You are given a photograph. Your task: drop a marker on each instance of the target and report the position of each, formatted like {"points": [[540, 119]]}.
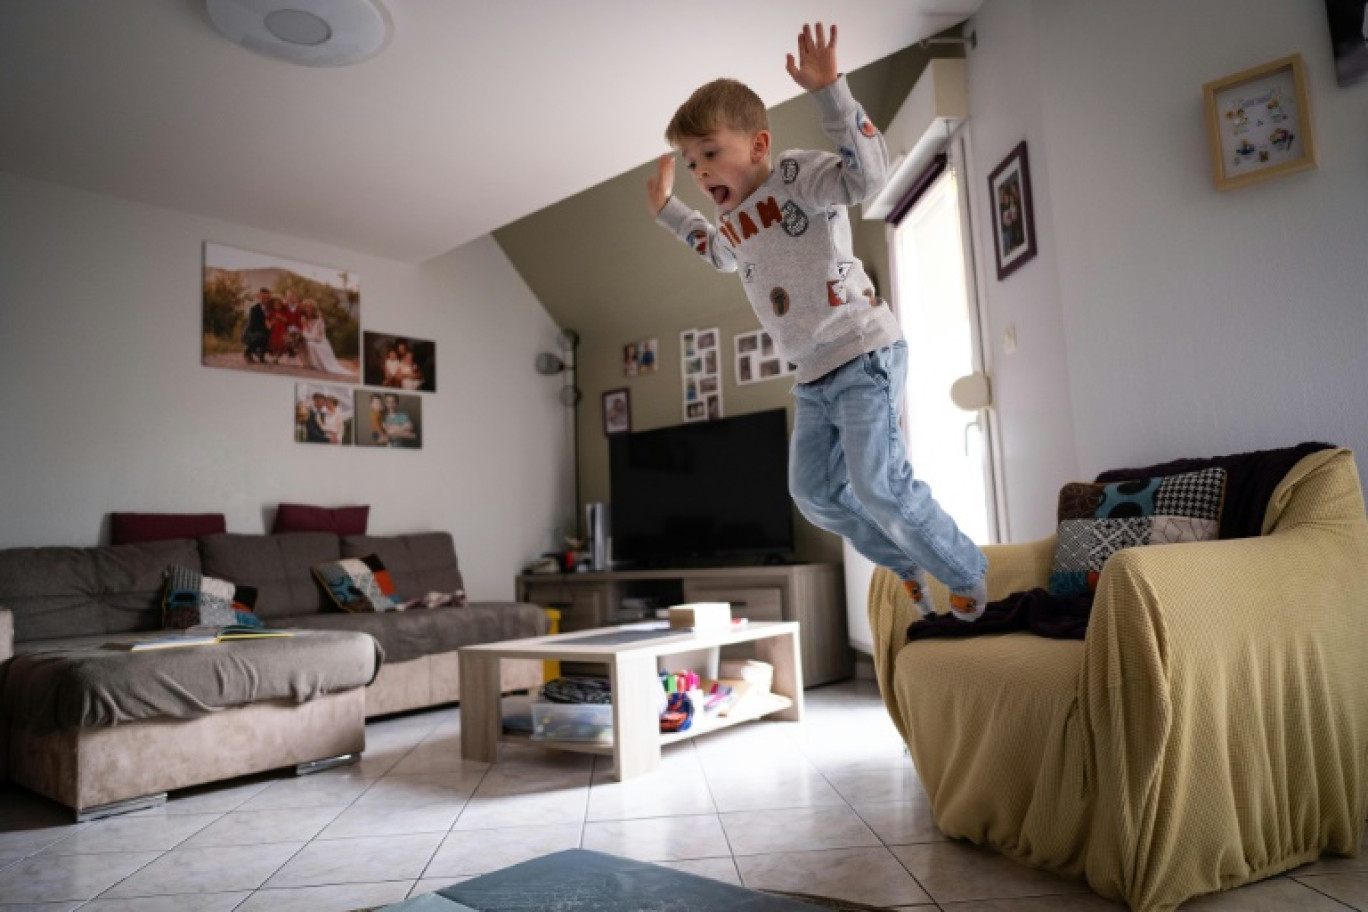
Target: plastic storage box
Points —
{"points": [[585, 722]]}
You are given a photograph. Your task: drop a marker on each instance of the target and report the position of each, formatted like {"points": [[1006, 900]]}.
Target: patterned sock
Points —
{"points": [[967, 603], [920, 593]]}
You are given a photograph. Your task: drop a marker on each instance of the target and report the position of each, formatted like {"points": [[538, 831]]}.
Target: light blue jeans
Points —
{"points": [[849, 473]]}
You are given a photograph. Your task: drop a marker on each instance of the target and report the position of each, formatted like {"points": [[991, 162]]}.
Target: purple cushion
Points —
{"points": [[304, 518], [127, 528]]}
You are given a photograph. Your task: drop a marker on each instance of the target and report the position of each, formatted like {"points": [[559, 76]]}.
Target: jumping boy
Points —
{"points": [[787, 233]]}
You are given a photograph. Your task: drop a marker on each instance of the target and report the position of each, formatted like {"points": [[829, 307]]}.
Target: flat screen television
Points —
{"points": [[700, 492]]}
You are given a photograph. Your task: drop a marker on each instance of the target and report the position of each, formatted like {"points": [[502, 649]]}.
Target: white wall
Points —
{"points": [[106, 407], [1190, 322], [1033, 405], [1201, 322]]}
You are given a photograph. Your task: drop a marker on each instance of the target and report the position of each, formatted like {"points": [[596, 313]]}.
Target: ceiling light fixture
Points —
{"points": [[321, 33]]}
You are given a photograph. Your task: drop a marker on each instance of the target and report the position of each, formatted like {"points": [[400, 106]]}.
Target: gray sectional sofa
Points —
{"points": [[103, 730]]}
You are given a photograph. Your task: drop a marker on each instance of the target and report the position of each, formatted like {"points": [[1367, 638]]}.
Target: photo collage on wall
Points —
{"points": [[700, 365], [758, 360], [268, 314]]}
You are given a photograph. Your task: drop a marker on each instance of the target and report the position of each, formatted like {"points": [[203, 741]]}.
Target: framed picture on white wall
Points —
{"points": [[1259, 123], [323, 414], [1013, 208], [268, 314], [388, 419]]}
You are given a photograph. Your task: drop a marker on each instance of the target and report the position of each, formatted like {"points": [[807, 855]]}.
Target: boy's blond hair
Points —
{"points": [[720, 103]]}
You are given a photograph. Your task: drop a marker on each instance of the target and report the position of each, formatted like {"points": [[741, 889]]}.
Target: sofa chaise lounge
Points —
{"points": [[103, 731]]}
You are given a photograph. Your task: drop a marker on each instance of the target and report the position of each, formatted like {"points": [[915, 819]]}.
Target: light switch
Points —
{"points": [[1009, 342]]}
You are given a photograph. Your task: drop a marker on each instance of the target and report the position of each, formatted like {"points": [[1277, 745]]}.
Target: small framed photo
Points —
{"points": [[323, 414], [1259, 123], [400, 362], [617, 412], [1009, 192], [389, 419]]}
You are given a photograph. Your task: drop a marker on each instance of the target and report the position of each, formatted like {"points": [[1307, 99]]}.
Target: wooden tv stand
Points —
{"points": [[811, 594]]}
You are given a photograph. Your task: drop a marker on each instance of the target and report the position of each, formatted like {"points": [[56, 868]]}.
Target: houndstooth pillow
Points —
{"points": [[1097, 520]]}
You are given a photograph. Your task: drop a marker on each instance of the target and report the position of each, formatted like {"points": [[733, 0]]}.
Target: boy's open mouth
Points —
{"points": [[720, 194]]}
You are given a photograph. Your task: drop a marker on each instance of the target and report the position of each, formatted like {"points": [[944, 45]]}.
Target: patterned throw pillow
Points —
{"points": [[1097, 520], [358, 584], [193, 600]]}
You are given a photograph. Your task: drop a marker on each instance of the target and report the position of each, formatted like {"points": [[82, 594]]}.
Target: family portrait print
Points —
{"points": [[617, 412], [1009, 193], [640, 357], [400, 362], [389, 419], [267, 314], [323, 414]]}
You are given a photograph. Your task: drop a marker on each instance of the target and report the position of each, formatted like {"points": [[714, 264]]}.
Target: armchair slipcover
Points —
{"points": [[1210, 730]]}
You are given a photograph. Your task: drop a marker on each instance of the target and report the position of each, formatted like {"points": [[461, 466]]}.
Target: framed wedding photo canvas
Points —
{"points": [[268, 314], [1009, 193], [323, 414], [1259, 123]]}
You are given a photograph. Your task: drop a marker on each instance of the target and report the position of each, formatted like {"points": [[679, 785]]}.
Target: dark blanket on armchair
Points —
{"points": [[1251, 479]]}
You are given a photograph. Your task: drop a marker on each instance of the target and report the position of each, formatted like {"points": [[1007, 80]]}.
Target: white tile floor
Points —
{"points": [[829, 806]]}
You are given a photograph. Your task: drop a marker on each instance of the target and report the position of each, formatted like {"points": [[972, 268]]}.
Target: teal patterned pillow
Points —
{"points": [[191, 599], [1097, 520], [358, 584]]}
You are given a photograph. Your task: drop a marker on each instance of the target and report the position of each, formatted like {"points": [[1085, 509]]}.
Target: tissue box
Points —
{"points": [[701, 615], [759, 675]]}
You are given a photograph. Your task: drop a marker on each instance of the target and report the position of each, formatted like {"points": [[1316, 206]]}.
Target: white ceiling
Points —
{"points": [[476, 115]]}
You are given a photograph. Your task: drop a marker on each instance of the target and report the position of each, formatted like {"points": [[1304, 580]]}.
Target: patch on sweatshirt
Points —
{"points": [[779, 300], [795, 219], [836, 293], [788, 170], [849, 160], [866, 127], [748, 272], [698, 240]]}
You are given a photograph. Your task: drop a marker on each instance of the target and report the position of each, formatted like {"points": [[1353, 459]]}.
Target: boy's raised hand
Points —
{"points": [[816, 67], [659, 188]]}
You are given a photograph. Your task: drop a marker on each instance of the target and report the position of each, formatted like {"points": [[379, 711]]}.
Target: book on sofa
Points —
{"points": [[197, 636]]}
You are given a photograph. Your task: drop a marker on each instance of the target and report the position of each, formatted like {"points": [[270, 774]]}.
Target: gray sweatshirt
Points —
{"points": [[790, 242]]}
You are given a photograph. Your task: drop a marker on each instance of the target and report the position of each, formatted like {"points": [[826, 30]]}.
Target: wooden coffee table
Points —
{"points": [[637, 738]]}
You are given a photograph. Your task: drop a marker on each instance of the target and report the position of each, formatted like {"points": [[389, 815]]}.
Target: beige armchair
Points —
{"points": [[1211, 730]]}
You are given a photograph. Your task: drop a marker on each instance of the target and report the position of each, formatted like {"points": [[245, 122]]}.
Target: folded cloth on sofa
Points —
{"points": [[1059, 617], [52, 684], [1251, 479], [412, 634]]}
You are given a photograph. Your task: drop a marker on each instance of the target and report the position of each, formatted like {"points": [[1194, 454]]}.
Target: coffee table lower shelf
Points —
{"points": [[632, 663], [755, 708]]}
